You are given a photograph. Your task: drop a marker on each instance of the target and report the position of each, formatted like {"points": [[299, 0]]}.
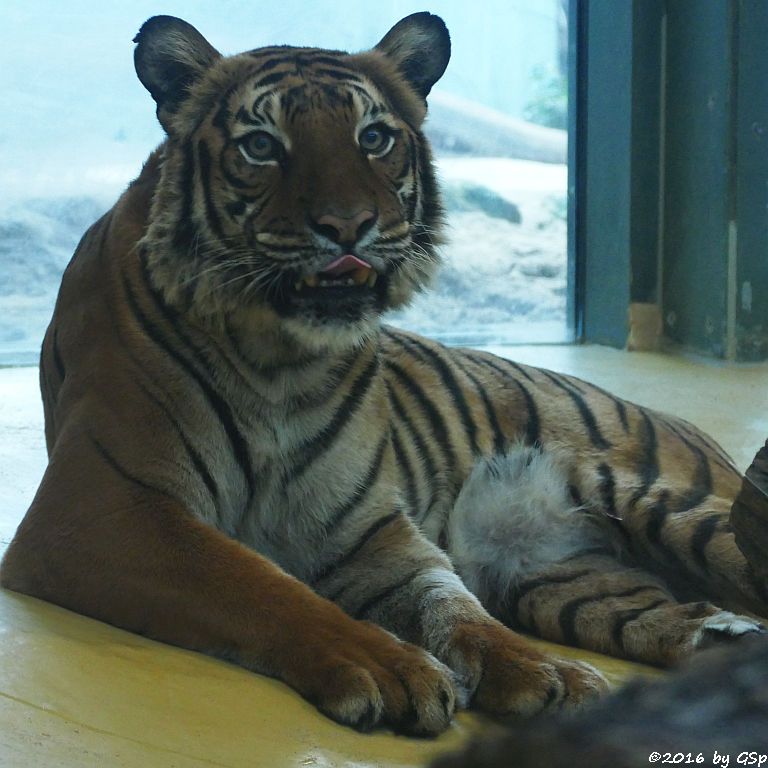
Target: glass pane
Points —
{"points": [[77, 125]]}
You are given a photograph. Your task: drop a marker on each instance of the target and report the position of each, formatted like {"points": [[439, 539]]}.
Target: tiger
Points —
{"points": [[245, 460]]}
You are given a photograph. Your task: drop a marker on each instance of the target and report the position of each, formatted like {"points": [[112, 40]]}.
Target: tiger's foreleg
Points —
{"points": [[542, 565], [418, 596], [118, 551]]}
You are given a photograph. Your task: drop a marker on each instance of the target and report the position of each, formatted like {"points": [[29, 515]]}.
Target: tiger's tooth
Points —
{"points": [[371, 281], [298, 286], [360, 275], [312, 281]]}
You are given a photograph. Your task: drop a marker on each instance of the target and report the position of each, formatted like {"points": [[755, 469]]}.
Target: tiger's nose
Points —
{"points": [[345, 230]]}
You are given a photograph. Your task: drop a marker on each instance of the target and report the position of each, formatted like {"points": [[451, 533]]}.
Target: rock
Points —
{"points": [[461, 127], [473, 197]]}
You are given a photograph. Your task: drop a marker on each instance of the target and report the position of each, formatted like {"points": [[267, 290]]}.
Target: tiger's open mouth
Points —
{"points": [[345, 272], [346, 289]]}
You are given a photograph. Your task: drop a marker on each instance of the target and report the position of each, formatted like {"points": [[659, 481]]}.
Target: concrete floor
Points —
{"points": [[75, 692]]}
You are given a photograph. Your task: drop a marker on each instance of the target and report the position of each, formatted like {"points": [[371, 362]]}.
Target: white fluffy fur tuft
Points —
{"points": [[513, 518]]}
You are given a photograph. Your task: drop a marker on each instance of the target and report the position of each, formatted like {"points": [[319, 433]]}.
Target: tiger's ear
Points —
{"points": [[169, 56], [420, 46]]}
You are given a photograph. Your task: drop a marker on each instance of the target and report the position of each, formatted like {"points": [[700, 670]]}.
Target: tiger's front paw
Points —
{"points": [[372, 678], [507, 677]]}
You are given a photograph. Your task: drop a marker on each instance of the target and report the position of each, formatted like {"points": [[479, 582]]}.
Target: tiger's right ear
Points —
{"points": [[170, 56]]}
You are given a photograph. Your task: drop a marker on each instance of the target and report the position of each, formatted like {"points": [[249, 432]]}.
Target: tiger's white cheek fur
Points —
{"points": [[512, 518]]}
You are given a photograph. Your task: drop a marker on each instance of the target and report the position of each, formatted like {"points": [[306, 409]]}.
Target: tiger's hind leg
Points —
{"points": [[541, 565], [694, 547], [593, 601]]}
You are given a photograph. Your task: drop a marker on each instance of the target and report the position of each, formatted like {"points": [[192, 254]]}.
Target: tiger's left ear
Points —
{"points": [[420, 47], [170, 56]]}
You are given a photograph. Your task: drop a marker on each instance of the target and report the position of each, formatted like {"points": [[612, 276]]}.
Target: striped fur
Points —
{"points": [[243, 461]]}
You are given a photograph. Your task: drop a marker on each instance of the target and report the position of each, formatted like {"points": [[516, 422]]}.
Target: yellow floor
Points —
{"points": [[75, 692]]}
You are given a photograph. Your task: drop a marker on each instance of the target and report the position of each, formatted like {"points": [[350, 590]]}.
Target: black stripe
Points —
{"points": [[256, 106], [431, 413], [648, 464], [499, 438], [680, 429], [510, 364], [406, 473], [364, 488], [287, 56], [331, 61], [192, 452], [311, 449], [564, 381], [657, 514], [568, 612], [679, 425], [510, 603], [595, 436], [293, 101], [266, 199], [625, 617], [372, 602], [607, 489], [117, 467], [620, 405], [244, 116], [403, 172], [533, 425], [280, 55], [703, 533], [237, 183], [353, 551], [422, 447], [337, 74], [212, 216], [223, 114], [701, 482], [573, 490], [621, 410], [448, 380], [273, 79], [219, 405]]}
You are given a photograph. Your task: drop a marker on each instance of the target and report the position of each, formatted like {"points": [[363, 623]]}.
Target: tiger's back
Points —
{"points": [[243, 461]]}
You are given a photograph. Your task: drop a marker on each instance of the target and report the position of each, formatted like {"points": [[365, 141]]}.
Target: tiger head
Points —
{"points": [[297, 193]]}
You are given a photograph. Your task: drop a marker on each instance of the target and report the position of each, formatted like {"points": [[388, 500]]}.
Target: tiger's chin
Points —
{"points": [[266, 336], [330, 337]]}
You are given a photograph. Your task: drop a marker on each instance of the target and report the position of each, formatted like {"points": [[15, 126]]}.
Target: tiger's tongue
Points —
{"points": [[343, 264]]}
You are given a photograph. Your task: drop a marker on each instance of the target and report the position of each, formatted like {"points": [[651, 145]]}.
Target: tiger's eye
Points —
{"points": [[375, 140], [260, 147]]}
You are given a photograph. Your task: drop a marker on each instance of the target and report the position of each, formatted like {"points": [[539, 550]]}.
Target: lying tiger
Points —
{"points": [[245, 462]]}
